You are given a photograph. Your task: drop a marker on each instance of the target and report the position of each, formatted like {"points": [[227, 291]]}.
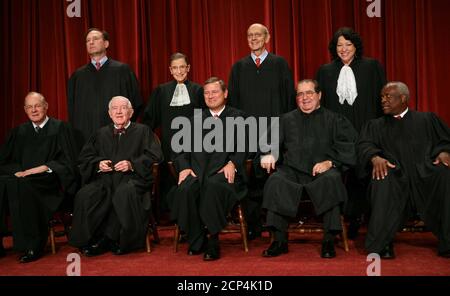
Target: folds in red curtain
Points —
{"points": [[42, 46]]}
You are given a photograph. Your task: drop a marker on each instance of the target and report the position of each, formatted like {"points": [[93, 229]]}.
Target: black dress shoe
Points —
{"points": [[353, 229], [101, 247], [253, 234], [117, 250], [212, 253], [29, 256], [276, 249], [328, 251], [388, 252]]}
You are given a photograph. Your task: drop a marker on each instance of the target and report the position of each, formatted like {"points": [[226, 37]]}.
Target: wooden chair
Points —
{"points": [[154, 196], [59, 218], [235, 225], [309, 224]]}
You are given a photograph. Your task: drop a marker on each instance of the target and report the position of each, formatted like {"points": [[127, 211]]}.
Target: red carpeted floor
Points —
{"points": [[416, 255]]}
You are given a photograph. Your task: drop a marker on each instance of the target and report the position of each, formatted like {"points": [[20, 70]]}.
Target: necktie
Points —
{"points": [[216, 116], [97, 65], [258, 62], [398, 117], [37, 129]]}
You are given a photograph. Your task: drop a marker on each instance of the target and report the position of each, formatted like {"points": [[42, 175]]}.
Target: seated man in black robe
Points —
{"points": [[210, 181], [111, 210], [37, 164], [316, 146], [407, 155]]}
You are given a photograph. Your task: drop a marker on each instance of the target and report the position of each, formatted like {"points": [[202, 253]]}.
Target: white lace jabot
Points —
{"points": [[180, 96], [346, 86]]}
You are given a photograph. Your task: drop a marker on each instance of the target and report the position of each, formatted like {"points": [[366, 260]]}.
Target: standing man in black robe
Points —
{"points": [[261, 85], [92, 86], [407, 155], [37, 164], [111, 210], [351, 86], [178, 97], [316, 146], [210, 181]]}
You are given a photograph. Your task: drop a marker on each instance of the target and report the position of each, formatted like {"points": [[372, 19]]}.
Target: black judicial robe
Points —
{"points": [[159, 113], [115, 204], [207, 199], [267, 91], [89, 92], [305, 140], [370, 79], [412, 144], [34, 199]]}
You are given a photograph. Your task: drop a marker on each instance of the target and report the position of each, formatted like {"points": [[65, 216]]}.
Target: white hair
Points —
{"points": [[120, 98]]}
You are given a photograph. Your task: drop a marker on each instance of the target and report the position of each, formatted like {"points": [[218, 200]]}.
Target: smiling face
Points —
{"points": [[120, 111], [36, 108], [215, 97], [179, 70], [257, 37], [345, 50], [96, 45], [307, 99]]}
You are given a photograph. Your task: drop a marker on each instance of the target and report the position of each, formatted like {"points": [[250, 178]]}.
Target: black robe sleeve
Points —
{"points": [[152, 114], [9, 165]]}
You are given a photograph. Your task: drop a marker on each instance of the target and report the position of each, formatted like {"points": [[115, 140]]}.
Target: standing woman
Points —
{"points": [[351, 85], [176, 98]]}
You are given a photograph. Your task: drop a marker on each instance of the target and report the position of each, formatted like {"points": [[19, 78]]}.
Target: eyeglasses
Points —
{"points": [[181, 68], [37, 106], [255, 35], [308, 93]]}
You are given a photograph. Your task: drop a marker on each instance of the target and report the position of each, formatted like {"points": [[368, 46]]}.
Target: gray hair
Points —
{"points": [[401, 87], [37, 94], [120, 98]]}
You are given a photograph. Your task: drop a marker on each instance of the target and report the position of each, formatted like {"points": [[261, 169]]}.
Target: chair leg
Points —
{"points": [[344, 234], [176, 238], [148, 243], [52, 240], [243, 225]]}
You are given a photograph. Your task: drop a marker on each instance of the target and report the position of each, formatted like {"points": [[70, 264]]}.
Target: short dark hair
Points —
{"points": [[313, 81], [177, 56], [213, 79], [104, 33], [348, 34]]}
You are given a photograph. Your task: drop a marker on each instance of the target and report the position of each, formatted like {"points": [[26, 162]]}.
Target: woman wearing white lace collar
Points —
{"points": [[351, 85]]}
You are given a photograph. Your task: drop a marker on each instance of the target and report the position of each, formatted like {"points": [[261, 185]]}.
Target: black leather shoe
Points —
{"points": [[445, 254], [2, 251], [388, 252], [101, 247], [328, 251], [276, 249], [30, 256], [353, 229], [117, 250], [211, 254], [253, 234]]}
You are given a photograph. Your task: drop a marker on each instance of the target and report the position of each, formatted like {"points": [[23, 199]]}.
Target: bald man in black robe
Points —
{"points": [[316, 146], [37, 166], [407, 154], [111, 210]]}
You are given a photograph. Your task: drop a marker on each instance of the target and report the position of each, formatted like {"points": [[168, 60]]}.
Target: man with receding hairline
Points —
{"points": [[37, 164]]}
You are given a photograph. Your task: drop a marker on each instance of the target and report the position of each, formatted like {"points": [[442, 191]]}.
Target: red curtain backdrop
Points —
{"points": [[41, 46]]}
